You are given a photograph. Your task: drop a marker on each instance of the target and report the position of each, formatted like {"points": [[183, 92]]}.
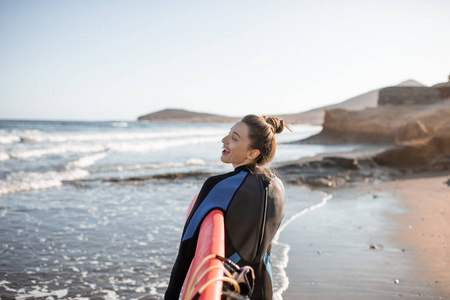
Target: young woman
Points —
{"points": [[252, 200]]}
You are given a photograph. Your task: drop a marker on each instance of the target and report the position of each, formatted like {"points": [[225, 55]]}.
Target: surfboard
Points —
{"points": [[203, 272]]}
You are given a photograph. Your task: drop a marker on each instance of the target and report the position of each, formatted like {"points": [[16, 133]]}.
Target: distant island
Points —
{"points": [[181, 115]]}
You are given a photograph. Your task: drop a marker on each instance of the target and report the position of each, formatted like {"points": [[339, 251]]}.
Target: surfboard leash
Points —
{"points": [[242, 279]]}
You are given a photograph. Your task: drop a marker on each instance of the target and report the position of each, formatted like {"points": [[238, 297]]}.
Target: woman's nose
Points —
{"points": [[224, 139]]}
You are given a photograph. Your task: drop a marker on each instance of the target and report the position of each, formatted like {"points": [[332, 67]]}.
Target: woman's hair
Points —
{"points": [[262, 132]]}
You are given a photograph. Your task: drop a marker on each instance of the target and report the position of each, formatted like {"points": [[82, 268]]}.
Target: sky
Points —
{"points": [[117, 60]]}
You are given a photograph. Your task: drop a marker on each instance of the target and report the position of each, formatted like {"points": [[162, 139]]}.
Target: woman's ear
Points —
{"points": [[253, 154]]}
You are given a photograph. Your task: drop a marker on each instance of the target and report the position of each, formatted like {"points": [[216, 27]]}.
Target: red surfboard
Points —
{"points": [[205, 273]]}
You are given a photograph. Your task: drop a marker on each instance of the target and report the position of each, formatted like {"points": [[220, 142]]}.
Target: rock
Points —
{"points": [[443, 88], [26, 139], [381, 125], [345, 126], [409, 95], [417, 152], [411, 131], [340, 162], [376, 246], [328, 172]]}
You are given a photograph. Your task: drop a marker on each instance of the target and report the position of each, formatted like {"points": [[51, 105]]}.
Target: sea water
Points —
{"points": [[79, 220]]}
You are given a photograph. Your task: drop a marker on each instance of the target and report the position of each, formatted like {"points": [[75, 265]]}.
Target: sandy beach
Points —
{"points": [[374, 241]]}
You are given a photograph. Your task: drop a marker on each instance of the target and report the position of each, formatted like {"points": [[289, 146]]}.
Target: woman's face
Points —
{"points": [[236, 147]]}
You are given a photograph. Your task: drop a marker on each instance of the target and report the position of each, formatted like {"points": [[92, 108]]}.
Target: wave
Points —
{"points": [[121, 147], [8, 139], [167, 165], [40, 136], [85, 161], [119, 124], [72, 171], [14, 136], [282, 262], [157, 145], [138, 167], [26, 182], [61, 149], [38, 292], [4, 156]]}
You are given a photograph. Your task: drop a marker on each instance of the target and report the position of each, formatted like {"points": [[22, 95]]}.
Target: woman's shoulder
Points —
{"points": [[270, 179], [221, 176], [215, 179]]}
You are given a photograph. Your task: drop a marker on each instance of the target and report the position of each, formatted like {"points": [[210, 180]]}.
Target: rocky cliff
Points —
{"points": [[422, 142], [419, 134], [371, 125], [366, 100]]}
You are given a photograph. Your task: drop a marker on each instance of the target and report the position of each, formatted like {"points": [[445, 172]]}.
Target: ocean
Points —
{"points": [[83, 217]]}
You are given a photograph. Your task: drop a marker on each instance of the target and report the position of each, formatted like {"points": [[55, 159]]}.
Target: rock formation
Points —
{"points": [[408, 95], [366, 100], [422, 142], [419, 134], [443, 88]]}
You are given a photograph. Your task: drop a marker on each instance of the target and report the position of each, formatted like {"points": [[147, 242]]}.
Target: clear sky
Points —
{"points": [[117, 60]]}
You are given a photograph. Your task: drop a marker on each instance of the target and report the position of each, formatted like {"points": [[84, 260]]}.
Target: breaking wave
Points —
{"points": [[40, 136], [26, 182], [120, 147]]}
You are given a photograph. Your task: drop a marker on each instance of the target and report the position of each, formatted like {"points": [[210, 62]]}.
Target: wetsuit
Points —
{"points": [[253, 209]]}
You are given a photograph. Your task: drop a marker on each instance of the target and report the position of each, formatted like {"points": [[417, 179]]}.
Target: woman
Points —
{"points": [[252, 200]]}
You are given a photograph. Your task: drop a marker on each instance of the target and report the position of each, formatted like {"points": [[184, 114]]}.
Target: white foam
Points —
{"points": [[41, 293], [139, 167], [119, 124], [25, 182], [110, 295], [300, 213], [196, 162], [4, 156], [120, 147], [39, 136], [85, 161], [282, 262], [9, 138], [4, 284], [157, 144], [61, 149]]}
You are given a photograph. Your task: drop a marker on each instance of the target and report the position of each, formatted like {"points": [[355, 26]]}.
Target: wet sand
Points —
{"points": [[385, 241]]}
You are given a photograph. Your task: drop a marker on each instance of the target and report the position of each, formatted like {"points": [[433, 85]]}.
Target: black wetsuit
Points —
{"points": [[253, 209]]}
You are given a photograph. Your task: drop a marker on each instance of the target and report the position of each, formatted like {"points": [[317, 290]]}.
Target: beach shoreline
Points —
{"points": [[374, 240]]}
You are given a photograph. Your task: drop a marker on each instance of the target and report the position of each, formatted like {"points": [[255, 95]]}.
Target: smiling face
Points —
{"points": [[236, 147]]}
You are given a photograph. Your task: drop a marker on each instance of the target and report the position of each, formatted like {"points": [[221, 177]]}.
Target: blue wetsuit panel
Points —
{"points": [[281, 184], [219, 197], [268, 266]]}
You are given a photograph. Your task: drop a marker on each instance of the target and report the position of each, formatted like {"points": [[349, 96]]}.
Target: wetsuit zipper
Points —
{"points": [[263, 221]]}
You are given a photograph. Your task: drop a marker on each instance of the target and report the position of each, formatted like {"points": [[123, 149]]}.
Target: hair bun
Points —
{"points": [[277, 124]]}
